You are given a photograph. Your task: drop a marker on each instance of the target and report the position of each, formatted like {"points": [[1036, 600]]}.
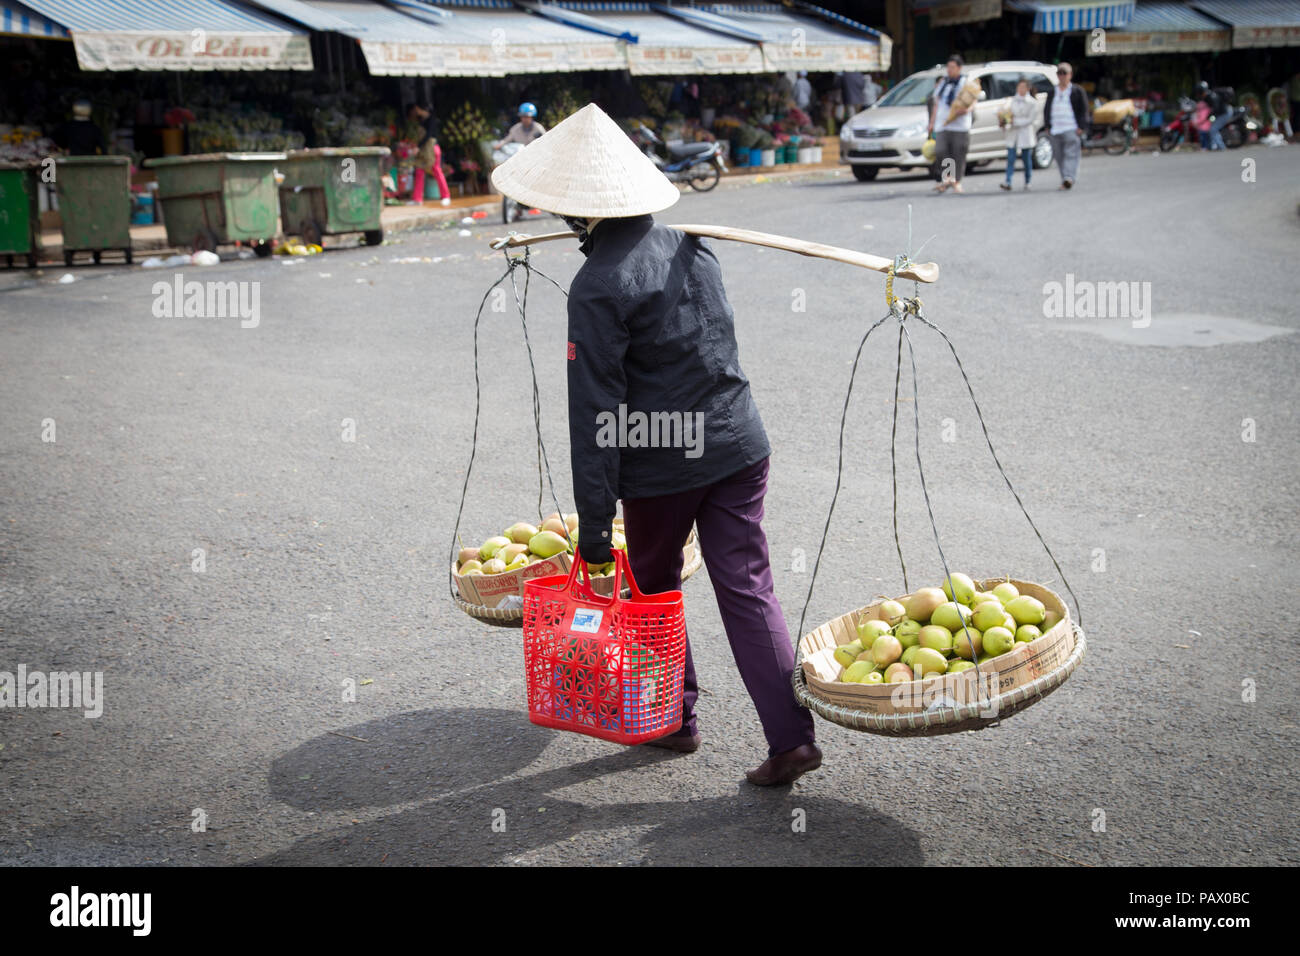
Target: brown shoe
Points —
{"points": [[676, 743], [786, 767]]}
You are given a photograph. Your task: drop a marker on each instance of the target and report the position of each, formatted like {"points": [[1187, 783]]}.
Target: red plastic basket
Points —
{"points": [[609, 667]]}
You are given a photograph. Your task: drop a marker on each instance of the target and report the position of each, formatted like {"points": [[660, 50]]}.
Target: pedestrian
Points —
{"points": [[651, 332], [1066, 112], [870, 90], [803, 91], [1019, 124], [428, 154], [79, 136], [950, 123], [853, 93]]}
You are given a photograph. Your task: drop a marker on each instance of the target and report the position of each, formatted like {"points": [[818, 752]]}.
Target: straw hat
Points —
{"points": [[586, 166]]}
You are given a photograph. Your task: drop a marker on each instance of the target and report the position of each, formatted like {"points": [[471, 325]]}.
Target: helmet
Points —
{"points": [[1202, 86], [527, 109]]}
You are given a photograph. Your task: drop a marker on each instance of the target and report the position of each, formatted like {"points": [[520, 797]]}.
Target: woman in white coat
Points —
{"points": [[1020, 131]]}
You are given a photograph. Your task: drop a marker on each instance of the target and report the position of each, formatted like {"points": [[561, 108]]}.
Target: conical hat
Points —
{"points": [[586, 166]]}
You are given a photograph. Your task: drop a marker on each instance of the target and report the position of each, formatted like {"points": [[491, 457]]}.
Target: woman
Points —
{"points": [[1020, 132], [950, 126], [651, 336], [429, 155]]}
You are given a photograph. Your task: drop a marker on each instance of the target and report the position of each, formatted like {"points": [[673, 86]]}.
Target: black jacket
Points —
{"points": [[1078, 100], [651, 331]]}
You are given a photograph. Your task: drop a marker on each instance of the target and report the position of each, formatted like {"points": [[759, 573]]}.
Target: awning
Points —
{"points": [[795, 41], [668, 45], [467, 41], [17, 20], [1257, 23], [947, 13], [176, 35], [1064, 16], [1164, 28]]}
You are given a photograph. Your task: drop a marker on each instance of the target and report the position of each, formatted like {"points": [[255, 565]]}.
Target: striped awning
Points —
{"points": [[794, 41], [176, 35], [21, 21], [1257, 23], [1065, 16], [1163, 27]]}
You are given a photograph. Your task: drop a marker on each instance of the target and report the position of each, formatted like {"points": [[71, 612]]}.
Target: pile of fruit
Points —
{"points": [[942, 631], [523, 544]]}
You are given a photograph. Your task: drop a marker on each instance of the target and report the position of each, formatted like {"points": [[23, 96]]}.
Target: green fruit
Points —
{"points": [[547, 544], [1050, 620], [885, 650], [519, 561], [868, 631], [909, 655], [908, 633], [959, 588], [898, 673], [510, 551], [875, 677], [950, 615], [956, 667], [1006, 591], [892, 611], [968, 642], [929, 661], [493, 566], [846, 654], [1026, 633], [937, 638], [521, 532], [1026, 610], [471, 566], [921, 604], [490, 547], [855, 672], [998, 640], [1009, 623], [989, 614]]}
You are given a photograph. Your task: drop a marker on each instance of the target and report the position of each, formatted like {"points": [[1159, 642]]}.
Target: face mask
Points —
{"points": [[579, 226]]}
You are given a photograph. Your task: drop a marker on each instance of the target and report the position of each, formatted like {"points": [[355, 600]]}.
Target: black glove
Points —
{"points": [[594, 543]]}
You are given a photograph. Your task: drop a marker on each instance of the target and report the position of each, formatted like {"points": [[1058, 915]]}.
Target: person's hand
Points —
{"points": [[594, 544]]}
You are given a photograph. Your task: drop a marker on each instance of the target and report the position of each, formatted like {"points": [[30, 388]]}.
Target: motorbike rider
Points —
{"points": [[1220, 113], [526, 130]]}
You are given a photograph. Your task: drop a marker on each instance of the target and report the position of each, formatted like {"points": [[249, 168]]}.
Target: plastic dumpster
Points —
{"points": [[95, 204], [219, 198], [20, 219], [334, 190]]}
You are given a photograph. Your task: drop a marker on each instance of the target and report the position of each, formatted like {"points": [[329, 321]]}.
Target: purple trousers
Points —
{"points": [[728, 516]]}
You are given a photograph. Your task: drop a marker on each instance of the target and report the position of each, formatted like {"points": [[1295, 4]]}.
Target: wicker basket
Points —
{"points": [[692, 562], [944, 704]]}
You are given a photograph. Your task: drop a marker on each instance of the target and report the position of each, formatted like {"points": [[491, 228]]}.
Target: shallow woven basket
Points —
{"points": [[515, 618], [974, 715]]}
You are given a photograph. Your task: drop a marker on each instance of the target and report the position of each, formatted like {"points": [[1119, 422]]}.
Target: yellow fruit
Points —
{"points": [[467, 554], [511, 551], [547, 544], [855, 672], [521, 532], [473, 564], [489, 548], [520, 561], [555, 525], [929, 661], [846, 654], [921, 604], [571, 522], [494, 566]]}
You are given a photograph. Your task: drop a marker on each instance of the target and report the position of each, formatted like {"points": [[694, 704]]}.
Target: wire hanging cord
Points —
{"points": [[543, 462]]}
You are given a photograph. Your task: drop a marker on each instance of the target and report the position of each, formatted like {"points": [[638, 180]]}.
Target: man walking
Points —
{"points": [[950, 124], [853, 92], [1066, 110]]}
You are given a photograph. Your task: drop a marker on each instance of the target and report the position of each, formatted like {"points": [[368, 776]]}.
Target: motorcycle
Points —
{"points": [[699, 165], [511, 211], [1114, 128], [1179, 129], [1240, 129]]}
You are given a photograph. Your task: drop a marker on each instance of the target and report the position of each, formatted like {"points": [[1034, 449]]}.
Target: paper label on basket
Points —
{"points": [[586, 620]]}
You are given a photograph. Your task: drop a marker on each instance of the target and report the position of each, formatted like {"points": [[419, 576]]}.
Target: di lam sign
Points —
{"points": [[195, 50]]}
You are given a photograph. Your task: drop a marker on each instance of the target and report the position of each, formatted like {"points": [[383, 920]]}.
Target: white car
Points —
{"points": [[890, 134]]}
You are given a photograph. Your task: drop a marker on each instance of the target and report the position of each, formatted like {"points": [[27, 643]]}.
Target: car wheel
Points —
{"points": [[1042, 151], [864, 174]]}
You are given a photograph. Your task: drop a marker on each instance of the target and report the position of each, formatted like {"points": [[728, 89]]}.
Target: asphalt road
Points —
{"points": [[224, 689]]}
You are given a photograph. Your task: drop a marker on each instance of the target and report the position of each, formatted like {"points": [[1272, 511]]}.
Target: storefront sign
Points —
{"points": [[196, 50], [443, 59], [1161, 41], [1265, 36], [965, 11]]}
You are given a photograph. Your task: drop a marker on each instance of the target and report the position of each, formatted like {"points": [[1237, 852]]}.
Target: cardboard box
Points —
{"points": [[1016, 668]]}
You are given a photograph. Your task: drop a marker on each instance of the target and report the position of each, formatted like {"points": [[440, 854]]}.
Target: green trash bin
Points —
{"points": [[95, 204], [217, 198], [334, 190], [20, 218]]}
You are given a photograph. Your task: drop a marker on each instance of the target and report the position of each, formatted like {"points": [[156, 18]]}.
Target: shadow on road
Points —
{"points": [[455, 760]]}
